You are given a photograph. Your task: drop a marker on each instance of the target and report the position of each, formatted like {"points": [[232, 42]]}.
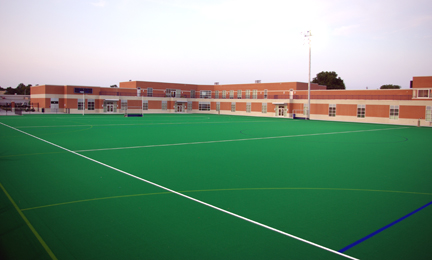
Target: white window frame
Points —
{"points": [[124, 105], [90, 104], [247, 94], [218, 106], [80, 104], [145, 105], [224, 94], [264, 108], [233, 106], [361, 111], [394, 112], [149, 92], [255, 94], [248, 107], [205, 93], [427, 91], [428, 116], [192, 95], [239, 94], [164, 105], [332, 110], [204, 106], [189, 106], [216, 93], [231, 94], [265, 93]]}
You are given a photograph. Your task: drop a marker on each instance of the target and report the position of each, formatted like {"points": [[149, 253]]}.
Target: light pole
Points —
{"points": [[308, 35]]}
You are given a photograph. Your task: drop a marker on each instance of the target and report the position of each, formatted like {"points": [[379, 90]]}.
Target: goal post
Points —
{"points": [[133, 111]]}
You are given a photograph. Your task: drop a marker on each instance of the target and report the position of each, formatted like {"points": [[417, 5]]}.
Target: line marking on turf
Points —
{"points": [[236, 140], [213, 190], [39, 238], [190, 198], [383, 228]]}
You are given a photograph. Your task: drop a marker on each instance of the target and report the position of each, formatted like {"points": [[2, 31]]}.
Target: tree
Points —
{"points": [[390, 86], [329, 79], [20, 90]]}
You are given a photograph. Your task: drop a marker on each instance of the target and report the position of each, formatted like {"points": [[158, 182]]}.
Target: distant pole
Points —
{"points": [[83, 102], [308, 35]]}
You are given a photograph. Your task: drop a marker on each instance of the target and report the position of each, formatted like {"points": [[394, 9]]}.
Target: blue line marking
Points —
{"points": [[382, 229]]}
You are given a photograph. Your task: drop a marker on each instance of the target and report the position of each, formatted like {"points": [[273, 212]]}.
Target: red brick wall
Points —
{"points": [[319, 109], [346, 110], [377, 111], [412, 112]]}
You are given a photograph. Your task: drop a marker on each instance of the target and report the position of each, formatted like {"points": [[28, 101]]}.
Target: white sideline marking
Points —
{"points": [[188, 197], [233, 140]]}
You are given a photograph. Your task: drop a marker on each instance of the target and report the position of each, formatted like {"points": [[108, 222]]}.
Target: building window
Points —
{"points": [[193, 93], [254, 94], [149, 92], [164, 105], [218, 106], [124, 104], [423, 93], [90, 104], [204, 106], [205, 94], [216, 93], [83, 90], [233, 107], [231, 94], [224, 94], [80, 104], [265, 93], [429, 114], [189, 106], [170, 92], [332, 110], [247, 94], [305, 109], [239, 94], [394, 112], [361, 111], [145, 105], [264, 108], [248, 107]]}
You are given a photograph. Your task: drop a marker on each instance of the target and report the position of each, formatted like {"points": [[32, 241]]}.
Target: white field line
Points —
{"points": [[235, 140], [188, 197]]}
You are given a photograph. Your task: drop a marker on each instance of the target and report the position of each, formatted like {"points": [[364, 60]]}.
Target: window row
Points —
{"points": [[361, 111], [208, 93]]}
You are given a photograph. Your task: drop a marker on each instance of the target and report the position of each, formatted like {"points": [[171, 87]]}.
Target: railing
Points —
{"points": [[359, 97], [351, 97]]}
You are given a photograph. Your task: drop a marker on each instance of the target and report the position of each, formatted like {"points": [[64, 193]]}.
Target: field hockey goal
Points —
{"points": [[133, 111]]}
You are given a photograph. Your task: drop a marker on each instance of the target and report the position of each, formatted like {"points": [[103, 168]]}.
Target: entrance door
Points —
{"points": [[110, 107], [281, 111], [179, 108]]}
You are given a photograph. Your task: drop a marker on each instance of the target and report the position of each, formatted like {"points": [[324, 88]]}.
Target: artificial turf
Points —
{"points": [[331, 183]]}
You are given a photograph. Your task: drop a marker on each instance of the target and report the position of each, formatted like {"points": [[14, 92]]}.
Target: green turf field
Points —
{"points": [[197, 186]]}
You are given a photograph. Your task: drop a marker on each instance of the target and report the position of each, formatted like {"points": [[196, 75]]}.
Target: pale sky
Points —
{"points": [[369, 43]]}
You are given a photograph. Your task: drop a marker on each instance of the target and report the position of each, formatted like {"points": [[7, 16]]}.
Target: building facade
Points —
{"points": [[285, 99]]}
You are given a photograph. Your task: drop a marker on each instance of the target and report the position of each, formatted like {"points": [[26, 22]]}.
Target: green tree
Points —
{"points": [[21, 89], [329, 79], [390, 86]]}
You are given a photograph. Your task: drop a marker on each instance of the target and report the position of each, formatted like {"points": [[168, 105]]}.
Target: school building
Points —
{"points": [[285, 99]]}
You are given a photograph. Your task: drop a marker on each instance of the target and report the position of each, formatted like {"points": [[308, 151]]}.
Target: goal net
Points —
{"points": [[133, 111]]}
